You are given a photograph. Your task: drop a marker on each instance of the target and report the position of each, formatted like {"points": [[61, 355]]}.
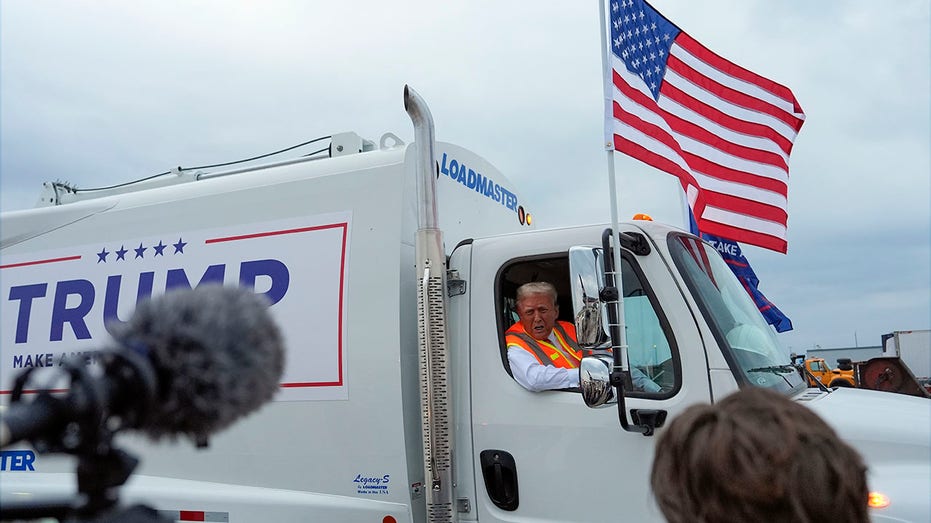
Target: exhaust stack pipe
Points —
{"points": [[435, 389], [416, 107]]}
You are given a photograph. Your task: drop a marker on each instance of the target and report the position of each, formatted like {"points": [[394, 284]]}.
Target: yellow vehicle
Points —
{"points": [[819, 370]]}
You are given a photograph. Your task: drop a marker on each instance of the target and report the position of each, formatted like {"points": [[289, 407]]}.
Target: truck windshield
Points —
{"points": [[749, 343]]}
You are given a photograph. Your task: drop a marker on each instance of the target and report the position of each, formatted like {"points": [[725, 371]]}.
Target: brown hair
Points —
{"points": [[756, 456]]}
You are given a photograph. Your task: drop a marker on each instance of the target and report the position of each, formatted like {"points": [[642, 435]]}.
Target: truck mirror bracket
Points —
{"points": [[650, 419], [635, 243], [455, 286]]}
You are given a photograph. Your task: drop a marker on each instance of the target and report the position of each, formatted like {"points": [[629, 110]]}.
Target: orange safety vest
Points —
{"points": [[565, 356]]}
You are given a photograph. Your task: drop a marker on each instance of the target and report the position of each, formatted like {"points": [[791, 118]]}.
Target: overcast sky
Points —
{"points": [[103, 92]]}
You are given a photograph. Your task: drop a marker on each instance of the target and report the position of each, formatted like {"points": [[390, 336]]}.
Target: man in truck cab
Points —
{"points": [[542, 351]]}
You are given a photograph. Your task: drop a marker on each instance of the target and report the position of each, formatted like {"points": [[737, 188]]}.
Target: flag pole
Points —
{"points": [[612, 190]]}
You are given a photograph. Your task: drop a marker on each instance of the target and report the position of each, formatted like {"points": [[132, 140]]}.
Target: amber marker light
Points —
{"points": [[529, 219], [878, 500], [643, 216]]}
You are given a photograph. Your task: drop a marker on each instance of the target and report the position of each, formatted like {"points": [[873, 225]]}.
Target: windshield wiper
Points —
{"points": [[779, 370], [775, 369]]}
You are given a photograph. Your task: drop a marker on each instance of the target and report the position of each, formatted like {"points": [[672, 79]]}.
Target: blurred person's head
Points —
{"points": [[756, 456]]}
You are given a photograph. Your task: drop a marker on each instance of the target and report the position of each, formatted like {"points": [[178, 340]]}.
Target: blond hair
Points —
{"points": [[536, 287]]}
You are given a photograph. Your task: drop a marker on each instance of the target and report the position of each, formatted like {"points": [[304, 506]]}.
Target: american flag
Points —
{"points": [[724, 131]]}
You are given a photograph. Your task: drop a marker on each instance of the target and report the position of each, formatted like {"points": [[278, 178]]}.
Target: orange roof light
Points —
{"points": [[643, 216], [878, 500]]}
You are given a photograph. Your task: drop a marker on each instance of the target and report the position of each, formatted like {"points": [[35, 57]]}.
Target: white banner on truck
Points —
{"points": [[58, 303]]}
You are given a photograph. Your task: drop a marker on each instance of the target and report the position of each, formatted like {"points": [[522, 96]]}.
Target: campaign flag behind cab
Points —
{"points": [[724, 131], [739, 264]]}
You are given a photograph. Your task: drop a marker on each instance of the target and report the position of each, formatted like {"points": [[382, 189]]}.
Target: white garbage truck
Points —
{"points": [[391, 269]]}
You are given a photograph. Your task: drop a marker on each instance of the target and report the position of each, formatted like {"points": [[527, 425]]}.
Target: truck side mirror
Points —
{"points": [[586, 269], [595, 380]]}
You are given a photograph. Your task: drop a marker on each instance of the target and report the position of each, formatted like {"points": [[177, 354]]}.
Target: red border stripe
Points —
{"points": [[40, 262], [342, 285], [300, 384], [34, 391], [276, 233]]}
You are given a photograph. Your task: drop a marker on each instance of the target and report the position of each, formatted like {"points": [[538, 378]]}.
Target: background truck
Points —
{"points": [[817, 370], [392, 270], [883, 373], [914, 348]]}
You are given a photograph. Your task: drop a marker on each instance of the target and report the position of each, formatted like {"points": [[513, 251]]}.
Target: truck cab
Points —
{"points": [[532, 434]]}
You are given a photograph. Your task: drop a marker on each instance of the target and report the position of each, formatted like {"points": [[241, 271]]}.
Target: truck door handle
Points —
{"points": [[500, 473]]}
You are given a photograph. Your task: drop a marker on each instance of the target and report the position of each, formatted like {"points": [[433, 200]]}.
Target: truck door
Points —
{"points": [[545, 456]]}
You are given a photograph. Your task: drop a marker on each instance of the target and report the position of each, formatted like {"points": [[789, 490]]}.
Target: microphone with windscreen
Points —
{"points": [[188, 363]]}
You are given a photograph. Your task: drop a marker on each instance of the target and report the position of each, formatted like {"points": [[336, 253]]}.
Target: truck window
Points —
{"points": [[650, 351], [747, 341], [649, 347], [553, 269]]}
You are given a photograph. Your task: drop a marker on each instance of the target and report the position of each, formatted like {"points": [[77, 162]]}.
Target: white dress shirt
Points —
{"points": [[536, 377]]}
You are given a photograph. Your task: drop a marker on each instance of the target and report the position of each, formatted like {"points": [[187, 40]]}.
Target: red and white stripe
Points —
{"points": [[724, 131]]}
